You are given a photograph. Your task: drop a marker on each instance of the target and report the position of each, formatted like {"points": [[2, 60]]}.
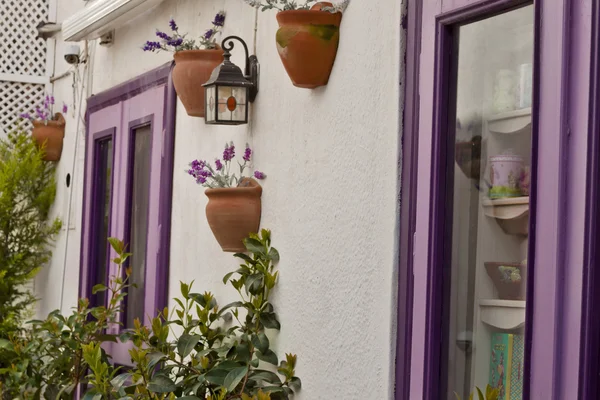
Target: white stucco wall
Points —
{"points": [[331, 156]]}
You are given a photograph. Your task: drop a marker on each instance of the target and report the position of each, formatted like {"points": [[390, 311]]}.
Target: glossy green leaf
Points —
{"points": [[154, 358], [268, 356], [480, 394], [274, 254], [186, 344], [99, 288], [216, 376], [269, 320], [161, 384], [260, 375], [295, 384], [254, 246], [261, 342], [120, 380], [234, 377]]}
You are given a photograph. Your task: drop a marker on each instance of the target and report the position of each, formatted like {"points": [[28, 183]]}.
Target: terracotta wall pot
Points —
{"points": [[192, 70], [50, 134], [508, 289], [233, 213], [307, 42]]}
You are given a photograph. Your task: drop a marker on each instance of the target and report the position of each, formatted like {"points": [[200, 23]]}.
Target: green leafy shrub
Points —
{"points": [[199, 352], [27, 191], [208, 359], [47, 360]]}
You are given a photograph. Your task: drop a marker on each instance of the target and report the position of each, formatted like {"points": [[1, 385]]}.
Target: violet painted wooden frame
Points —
{"points": [[98, 137], [408, 199], [132, 126], [440, 225], [157, 77], [589, 368]]}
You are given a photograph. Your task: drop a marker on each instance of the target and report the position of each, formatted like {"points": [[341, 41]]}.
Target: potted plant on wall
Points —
{"points": [[194, 61], [307, 39], [234, 202], [48, 128]]}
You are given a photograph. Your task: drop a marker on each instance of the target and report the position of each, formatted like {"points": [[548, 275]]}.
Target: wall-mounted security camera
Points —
{"points": [[72, 54]]}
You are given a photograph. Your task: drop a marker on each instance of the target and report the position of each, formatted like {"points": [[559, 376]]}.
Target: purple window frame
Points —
{"points": [[545, 375], [407, 197], [589, 384], [442, 189], [148, 120], [160, 76], [97, 181]]}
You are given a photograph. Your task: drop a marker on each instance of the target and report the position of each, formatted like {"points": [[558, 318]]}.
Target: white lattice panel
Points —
{"points": [[24, 60], [16, 98], [21, 52]]}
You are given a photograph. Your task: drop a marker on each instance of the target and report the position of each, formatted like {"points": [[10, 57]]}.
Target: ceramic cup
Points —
{"points": [[505, 172]]}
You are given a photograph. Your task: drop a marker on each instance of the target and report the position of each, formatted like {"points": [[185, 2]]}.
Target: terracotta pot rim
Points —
{"points": [[198, 53], [254, 190], [58, 121], [317, 17], [306, 12]]}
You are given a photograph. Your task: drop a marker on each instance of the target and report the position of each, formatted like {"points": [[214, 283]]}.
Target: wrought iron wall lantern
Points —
{"points": [[228, 90]]}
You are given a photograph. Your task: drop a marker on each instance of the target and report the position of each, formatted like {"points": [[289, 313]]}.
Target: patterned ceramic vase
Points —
{"points": [[505, 172]]}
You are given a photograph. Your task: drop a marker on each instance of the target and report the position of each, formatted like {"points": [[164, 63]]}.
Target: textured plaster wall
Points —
{"points": [[331, 157]]}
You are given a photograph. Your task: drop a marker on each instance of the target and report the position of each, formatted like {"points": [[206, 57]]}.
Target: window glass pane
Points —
{"points": [[485, 314], [102, 191], [138, 227]]}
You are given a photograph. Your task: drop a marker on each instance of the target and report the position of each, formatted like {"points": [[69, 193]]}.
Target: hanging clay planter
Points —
{"points": [[233, 213], [307, 42], [192, 70], [50, 134]]}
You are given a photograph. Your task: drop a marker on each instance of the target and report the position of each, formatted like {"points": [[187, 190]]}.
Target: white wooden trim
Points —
{"points": [[50, 54], [24, 78], [102, 16], [52, 11]]}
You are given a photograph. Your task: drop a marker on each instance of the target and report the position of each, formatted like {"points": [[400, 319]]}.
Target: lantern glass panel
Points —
{"points": [[210, 104], [239, 114], [224, 94], [240, 95]]}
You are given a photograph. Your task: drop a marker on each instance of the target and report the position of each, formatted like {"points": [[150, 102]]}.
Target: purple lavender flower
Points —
{"points": [[64, 108], [151, 46], [25, 115], [201, 180], [173, 25], [40, 114], [52, 100], [163, 35], [209, 33], [229, 152], [198, 165], [218, 164], [259, 175], [247, 153], [219, 19], [175, 42]]}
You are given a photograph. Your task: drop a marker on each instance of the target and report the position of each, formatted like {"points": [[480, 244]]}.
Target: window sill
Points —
{"points": [[102, 16]]}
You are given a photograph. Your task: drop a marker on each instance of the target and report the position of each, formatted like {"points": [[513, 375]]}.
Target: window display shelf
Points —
{"points": [[502, 314], [511, 122], [512, 214]]}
